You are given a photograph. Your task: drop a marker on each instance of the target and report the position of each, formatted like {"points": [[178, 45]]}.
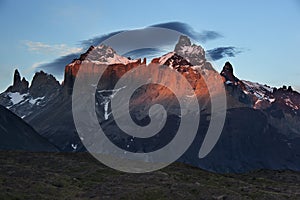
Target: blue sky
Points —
{"points": [[266, 32]]}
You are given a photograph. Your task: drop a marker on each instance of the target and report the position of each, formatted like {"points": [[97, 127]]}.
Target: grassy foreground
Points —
{"points": [[79, 176]]}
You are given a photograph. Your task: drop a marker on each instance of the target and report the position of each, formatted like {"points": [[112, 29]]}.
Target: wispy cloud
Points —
{"points": [[183, 28], [55, 49], [222, 52], [57, 66], [189, 31], [34, 67], [37, 64], [158, 47]]}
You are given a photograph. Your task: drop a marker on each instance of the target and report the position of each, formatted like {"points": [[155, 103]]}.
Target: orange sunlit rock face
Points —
{"points": [[110, 75], [192, 66], [151, 94]]}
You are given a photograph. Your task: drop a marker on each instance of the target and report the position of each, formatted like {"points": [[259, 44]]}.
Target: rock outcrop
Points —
{"points": [[43, 85], [19, 85]]}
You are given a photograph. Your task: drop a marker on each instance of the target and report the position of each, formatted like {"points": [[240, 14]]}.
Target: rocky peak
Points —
{"points": [[183, 41], [100, 53], [19, 85], [84, 55], [92, 62], [172, 60], [43, 84], [228, 67], [17, 77], [193, 53], [236, 89], [227, 73]]}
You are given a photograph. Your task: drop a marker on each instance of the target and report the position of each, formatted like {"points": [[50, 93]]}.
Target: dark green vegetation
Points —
{"points": [[79, 176]]}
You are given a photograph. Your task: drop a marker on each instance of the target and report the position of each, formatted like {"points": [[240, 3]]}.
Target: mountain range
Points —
{"points": [[261, 130]]}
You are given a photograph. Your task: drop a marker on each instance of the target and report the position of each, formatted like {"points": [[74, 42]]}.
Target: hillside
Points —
{"points": [[16, 134]]}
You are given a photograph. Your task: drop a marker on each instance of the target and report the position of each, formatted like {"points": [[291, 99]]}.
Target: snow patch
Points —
{"points": [[74, 146], [107, 100], [191, 50], [36, 100], [228, 82], [106, 115], [262, 92], [106, 55], [16, 97], [272, 100], [256, 86], [164, 58], [289, 103]]}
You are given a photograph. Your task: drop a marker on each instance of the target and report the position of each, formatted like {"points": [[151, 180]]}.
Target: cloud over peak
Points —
{"points": [[222, 52], [186, 29], [55, 49], [138, 36]]}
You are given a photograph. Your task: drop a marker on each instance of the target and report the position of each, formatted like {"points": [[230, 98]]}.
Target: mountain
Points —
{"points": [[24, 100], [261, 130], [18, 135]]}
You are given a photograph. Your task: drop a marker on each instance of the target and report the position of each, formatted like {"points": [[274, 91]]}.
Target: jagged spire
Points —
{"points": [[43, 84], [19, 85], [228, 67], [227, 73], [193, 53], [17, 77], [183, 41]]}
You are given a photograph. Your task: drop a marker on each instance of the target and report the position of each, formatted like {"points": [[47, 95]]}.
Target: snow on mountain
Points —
{"points": [[36, 100], [164, 58], [289, 103], [43, 88], [16, 97], [187, 55], [245, 143], [262, 92], [104, 98], [193, 53], [103, 54]]}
